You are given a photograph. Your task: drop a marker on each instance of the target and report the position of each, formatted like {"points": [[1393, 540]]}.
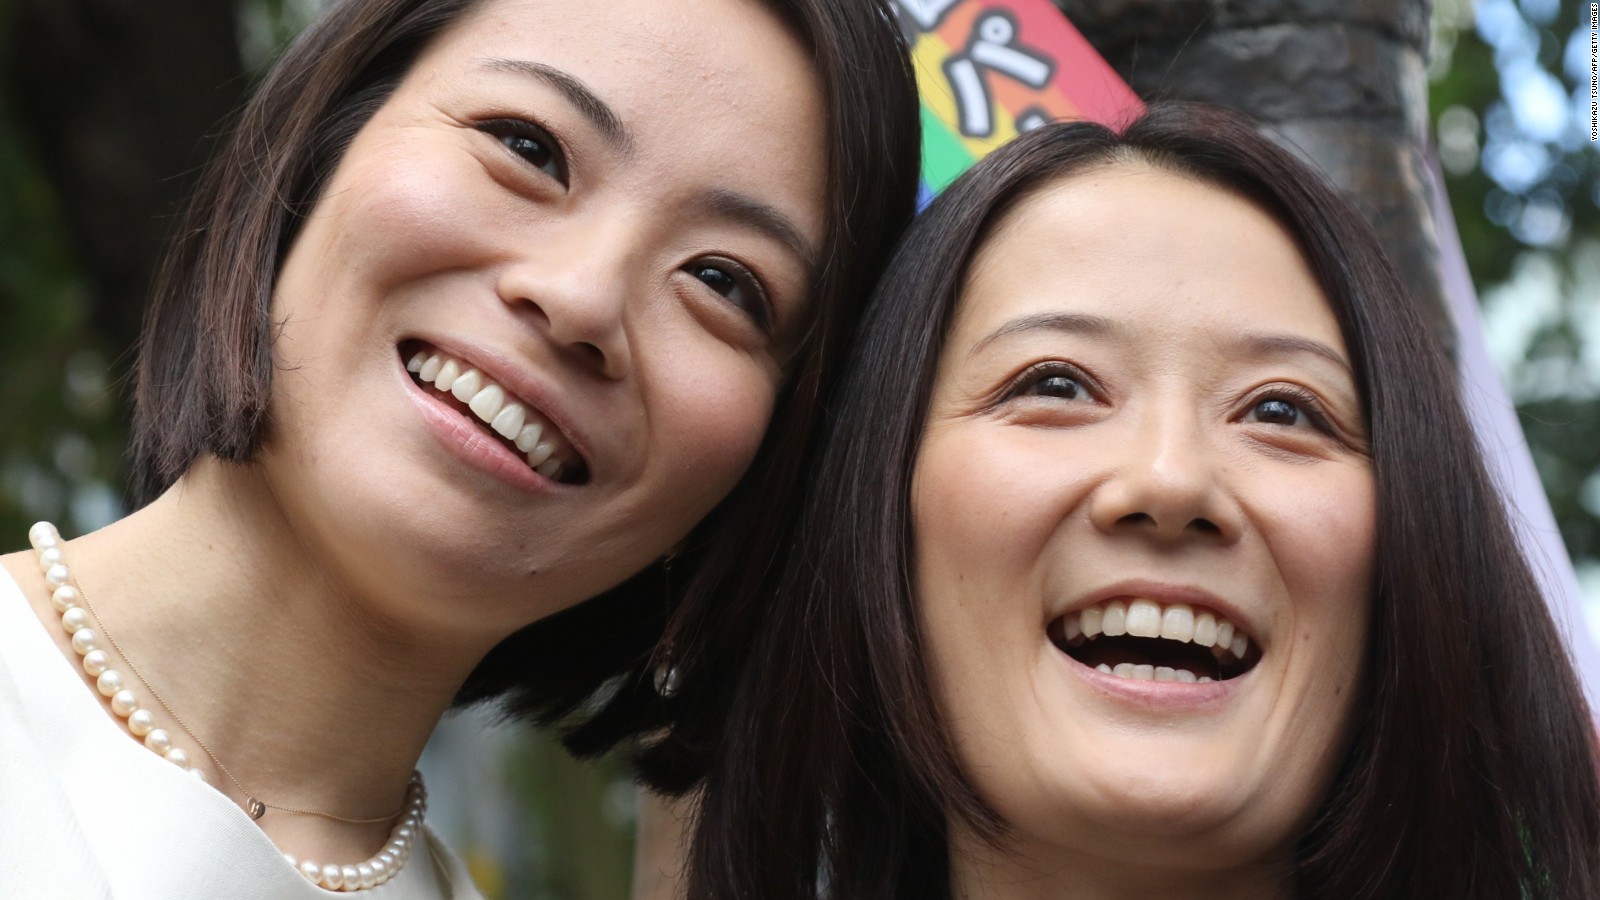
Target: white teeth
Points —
{"points": [[467, 385], [1144, 672], [1144, 618], [528, 437], [448, 373], [490, 403], [486, 403], [1090, 620], [1073, 629], [1177, 622], [1115, 619], [508, 422], [1103, 668], [539, 454], [1203, 679]]}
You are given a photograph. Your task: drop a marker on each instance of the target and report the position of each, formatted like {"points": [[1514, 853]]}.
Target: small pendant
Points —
{"points": [[256, 808]]}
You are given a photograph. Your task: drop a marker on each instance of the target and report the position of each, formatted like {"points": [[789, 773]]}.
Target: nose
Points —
{"points": [[1168, 485], [575, 292]]}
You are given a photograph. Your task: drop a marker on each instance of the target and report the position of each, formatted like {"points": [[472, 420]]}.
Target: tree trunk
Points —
{"points": [[1342, 82]]}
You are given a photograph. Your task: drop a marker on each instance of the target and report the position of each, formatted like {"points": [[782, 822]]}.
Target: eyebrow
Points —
{"points": [[1070, 323], [1279, 345], [600, 115], [752, 213], [1259, 345]]}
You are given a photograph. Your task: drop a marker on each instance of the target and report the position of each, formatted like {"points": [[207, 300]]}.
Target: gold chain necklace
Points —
{"points": [[255, 807]]}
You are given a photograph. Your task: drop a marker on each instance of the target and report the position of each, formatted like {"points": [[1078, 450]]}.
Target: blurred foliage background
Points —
{"points": [[89, 179], [1510, 101]]}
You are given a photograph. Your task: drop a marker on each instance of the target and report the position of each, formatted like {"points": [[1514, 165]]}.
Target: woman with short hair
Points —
{"points": [[486, 309]]}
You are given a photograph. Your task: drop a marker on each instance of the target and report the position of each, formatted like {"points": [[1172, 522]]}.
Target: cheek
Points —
{"points": [[1324, 545], [981, 525], [708, 418], [983, 505], [396, 211]]}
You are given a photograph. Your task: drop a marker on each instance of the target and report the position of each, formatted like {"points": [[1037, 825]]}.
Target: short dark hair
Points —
{"points": [[1472, 769], [204, 373]]}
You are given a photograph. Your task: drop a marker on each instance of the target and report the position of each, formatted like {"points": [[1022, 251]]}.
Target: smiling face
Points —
{"points": [[594, 230], [1144, 424]]}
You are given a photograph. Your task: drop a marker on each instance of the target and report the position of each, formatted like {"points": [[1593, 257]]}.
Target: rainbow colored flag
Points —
{"points": [[988, 70]]}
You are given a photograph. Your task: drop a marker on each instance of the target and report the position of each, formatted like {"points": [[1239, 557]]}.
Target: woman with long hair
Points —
{"points": [[485, 309], [1151, 554]]}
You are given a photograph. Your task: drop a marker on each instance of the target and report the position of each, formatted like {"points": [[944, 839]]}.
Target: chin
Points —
{"points": [[1169, 802]]}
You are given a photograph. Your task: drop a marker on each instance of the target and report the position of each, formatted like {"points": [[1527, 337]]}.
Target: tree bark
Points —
{"points": [[1341, 82]]}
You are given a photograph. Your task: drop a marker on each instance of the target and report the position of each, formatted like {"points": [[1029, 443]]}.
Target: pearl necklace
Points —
{"points": [[75, 611]]}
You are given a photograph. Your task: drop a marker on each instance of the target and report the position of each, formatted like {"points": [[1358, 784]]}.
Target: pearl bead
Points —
{"points": [[364, 873], [311, 871], [95, 662], [380, 868], [351, 876], [57, 576], [400, 847], [43, 535], [123, 703], [332, 877], [109, 682], [177, 757], [74, 618], [140, 722], [198, 775], [405, 831], [158, 740], [84, 640], [65, 598], [48, 557]]}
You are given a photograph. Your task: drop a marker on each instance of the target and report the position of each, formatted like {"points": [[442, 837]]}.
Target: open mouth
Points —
{"points": [[509, 419], [1146, 640]]}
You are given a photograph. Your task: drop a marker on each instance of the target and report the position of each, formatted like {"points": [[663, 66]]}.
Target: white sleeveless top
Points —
{"points": [[86, 813]]}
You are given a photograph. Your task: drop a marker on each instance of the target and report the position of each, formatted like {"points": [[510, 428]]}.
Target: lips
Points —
{"points": [[512, 421]]}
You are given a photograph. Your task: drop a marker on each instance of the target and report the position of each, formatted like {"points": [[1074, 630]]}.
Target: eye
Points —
{"points": [[1288, 408], [1052, 380], [1064, 387], [1275, 411], [736, 284], [531, 142]]}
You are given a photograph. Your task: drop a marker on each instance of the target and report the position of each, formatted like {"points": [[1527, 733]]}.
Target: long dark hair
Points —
{"points": [[1472, 771], [204, 374]]}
